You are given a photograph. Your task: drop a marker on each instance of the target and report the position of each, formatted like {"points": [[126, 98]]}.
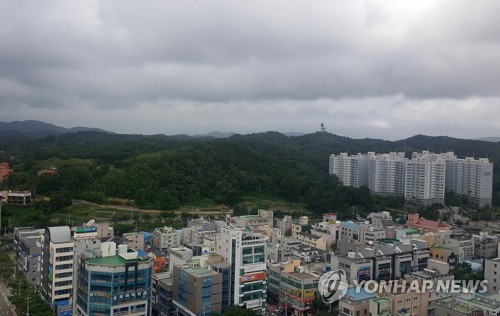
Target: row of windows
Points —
{"points": [[64, 258], [64, 249]]}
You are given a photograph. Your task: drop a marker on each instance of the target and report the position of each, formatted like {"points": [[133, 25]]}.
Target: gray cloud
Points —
{"points": [[389, 66]]}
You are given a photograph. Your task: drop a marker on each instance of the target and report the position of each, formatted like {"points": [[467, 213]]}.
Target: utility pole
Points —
{"points": [[28, 307]]}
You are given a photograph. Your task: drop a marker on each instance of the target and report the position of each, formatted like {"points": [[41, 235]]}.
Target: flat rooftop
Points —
{"points": [[199, 272], [116, 260]]}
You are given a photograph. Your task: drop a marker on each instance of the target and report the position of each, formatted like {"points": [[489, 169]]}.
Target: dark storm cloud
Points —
{"points": [[291, 57]]}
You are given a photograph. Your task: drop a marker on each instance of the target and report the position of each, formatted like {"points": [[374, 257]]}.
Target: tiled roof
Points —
{"points": [[430, 224]]}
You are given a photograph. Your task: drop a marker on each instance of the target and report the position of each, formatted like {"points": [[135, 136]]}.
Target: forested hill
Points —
{"points": [[165, 172]]}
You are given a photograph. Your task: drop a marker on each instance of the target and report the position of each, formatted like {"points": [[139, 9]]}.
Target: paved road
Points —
{"points": [[6, 308]]}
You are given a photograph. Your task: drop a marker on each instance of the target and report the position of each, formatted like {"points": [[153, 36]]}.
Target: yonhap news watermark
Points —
{"points": [[333, 286]]}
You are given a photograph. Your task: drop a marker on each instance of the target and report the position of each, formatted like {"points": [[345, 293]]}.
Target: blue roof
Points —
{"points": [[349, 225], [147, 236], [359, 294]]}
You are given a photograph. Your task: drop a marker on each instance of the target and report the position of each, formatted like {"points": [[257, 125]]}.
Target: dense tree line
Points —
{"points": [[166, 172]]}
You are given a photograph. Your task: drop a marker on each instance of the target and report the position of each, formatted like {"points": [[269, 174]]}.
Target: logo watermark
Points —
{"points": [[332, 286], [421, 286]]}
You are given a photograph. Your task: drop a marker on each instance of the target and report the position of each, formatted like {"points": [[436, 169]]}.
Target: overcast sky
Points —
{"points": [[386, 69]]}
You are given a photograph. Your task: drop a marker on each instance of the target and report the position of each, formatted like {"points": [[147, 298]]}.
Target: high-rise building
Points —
{"points": [[422, 180], [245, 252], [425, 179], [472, 178], [115, 285], [386, 173], [57, 268], [351, 170]]}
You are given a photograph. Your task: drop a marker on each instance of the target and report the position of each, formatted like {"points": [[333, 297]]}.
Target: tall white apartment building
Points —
{"points": [[245, 252], [386, 173], [425, 179], [472, 178], [57, 268], [349, 169], [382, 173], [469, 177]]}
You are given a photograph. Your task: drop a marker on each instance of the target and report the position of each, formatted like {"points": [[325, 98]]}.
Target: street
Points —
{"points": [[6, 309]]}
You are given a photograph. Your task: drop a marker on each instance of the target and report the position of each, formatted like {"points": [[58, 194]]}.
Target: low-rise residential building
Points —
{"points": [[485, 245], [350, 231], [463, 245], [16, 198], [356, 302], [284, 224], [312, 240], [165, 238], [134, 240], [492, 275], [467, 304], [264, 217]]}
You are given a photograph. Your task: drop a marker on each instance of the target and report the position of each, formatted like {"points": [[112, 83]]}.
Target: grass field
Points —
{"points": [[82, 212]]}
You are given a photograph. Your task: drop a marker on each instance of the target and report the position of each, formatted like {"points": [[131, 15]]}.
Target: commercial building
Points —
{"points": [[115, 285], [245, 252], [387, 259], [294, 287], [162, 288], [28, 250], [196, 291], [57, 268]]}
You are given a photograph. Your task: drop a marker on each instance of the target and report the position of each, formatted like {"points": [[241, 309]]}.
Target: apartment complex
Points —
{"points": [[422, 179]]}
